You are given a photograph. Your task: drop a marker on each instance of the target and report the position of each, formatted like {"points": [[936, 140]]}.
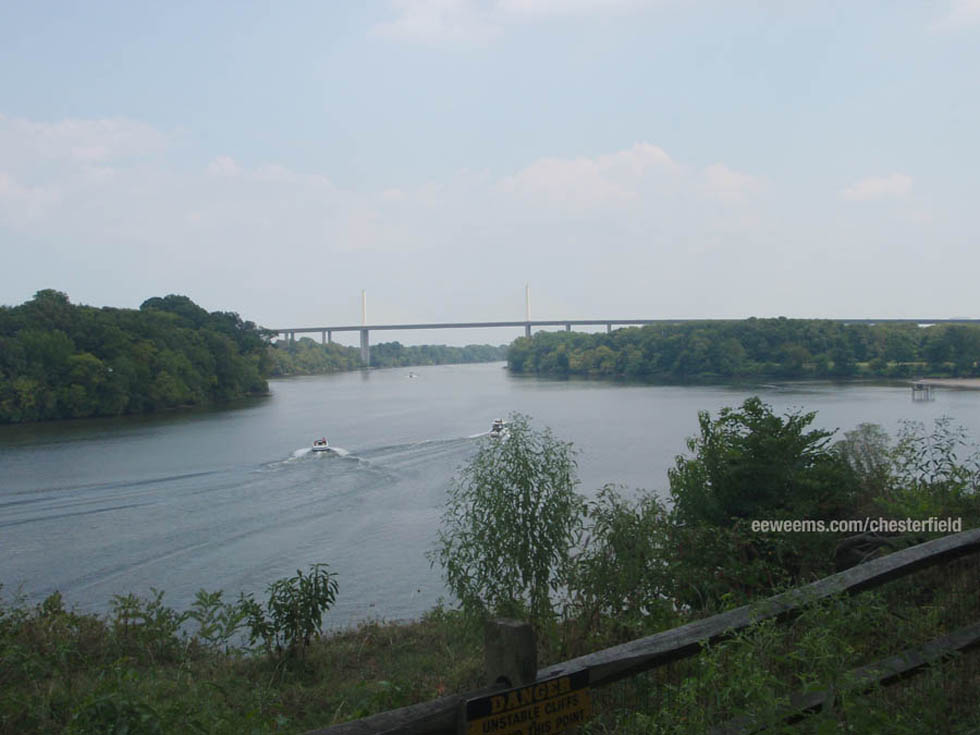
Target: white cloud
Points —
{"points": [[478, 21], [729, 185], [589, 183], [20, 204], [224, 166], [567, 7], [246, 235], [878, 187], [440, 21], [82, 141], [962, 14]]}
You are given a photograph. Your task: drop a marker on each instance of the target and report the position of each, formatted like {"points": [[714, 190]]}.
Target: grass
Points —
{"points": [[63, 671]]}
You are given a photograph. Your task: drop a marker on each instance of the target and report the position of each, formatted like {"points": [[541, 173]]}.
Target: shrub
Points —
{"points": [[623, 573], [751, 463], [510, 523], [294, 611]]}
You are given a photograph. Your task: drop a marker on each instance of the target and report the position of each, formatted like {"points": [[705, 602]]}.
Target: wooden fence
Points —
{"points": [[629, 659]]}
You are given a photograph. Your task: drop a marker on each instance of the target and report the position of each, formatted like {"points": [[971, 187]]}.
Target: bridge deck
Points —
{"points": [[582, 322]]}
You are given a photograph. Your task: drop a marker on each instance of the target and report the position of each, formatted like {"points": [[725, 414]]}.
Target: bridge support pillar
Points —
{"points": [[329, 336], [609, 329], [292, 337], [527, 330], [568, 327], [323, 336], [365, 349]]}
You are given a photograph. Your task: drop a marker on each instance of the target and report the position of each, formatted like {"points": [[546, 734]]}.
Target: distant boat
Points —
{"points": [[498, 430], [412, 375], [321, 445]]}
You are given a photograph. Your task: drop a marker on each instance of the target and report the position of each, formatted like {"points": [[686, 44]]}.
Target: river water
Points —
{"points": [[233, 499]]}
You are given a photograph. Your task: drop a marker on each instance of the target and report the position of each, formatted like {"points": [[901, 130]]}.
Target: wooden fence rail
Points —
{"points": [[441, 716]]}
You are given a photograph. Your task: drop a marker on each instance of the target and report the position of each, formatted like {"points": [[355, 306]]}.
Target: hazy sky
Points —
{"points": [[627, 158]]}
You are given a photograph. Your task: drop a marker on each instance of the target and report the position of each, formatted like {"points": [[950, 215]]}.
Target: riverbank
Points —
{"points": [[960, 383], [80, 674], [306, 357]]}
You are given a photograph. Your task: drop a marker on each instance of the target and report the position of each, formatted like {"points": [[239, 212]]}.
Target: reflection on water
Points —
{"points": [[235, 499]]}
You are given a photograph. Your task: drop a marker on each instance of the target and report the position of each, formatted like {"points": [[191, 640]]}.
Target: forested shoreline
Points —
{"points": [[780, 348], [307, 357], [61, 360]]}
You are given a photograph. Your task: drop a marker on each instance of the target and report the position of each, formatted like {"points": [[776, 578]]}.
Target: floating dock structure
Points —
{"points": [[922, 391]]}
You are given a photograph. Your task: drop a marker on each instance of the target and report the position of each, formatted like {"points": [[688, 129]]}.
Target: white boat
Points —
{"points": [[321, 445], [498, 430]]}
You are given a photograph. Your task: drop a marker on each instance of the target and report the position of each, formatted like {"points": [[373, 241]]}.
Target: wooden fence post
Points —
{"points": [[511, 652]]}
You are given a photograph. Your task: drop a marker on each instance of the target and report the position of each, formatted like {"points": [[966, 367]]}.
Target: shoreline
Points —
{"points": [[961, 383]]}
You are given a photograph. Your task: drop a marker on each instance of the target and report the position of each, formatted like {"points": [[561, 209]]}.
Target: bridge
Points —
{"points": [[326, 333]]}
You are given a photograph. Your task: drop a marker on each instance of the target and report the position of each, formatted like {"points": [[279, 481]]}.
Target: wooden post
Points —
{"points": [[511, 652]]}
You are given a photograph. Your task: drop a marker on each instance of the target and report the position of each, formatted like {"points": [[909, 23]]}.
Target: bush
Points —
{"points": [[935, 473], [623, 572], [750, 463], [294, 611], [146, 628], [510, 523]]}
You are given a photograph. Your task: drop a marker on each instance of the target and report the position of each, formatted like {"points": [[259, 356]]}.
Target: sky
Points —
{"points": [[624, 158]]}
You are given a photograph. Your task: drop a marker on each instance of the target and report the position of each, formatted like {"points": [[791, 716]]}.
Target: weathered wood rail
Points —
{"points": [[628, 659]]}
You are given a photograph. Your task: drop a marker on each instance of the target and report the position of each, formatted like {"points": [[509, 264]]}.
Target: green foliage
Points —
{"points": [[510, 522], [115, 713], [293, 613], [307, 357], [622, 574], [146, 628], [747, 682], [395, 354], [218, 621], [59, 360], [751, 349], [867, 451], [931, 475], [750, 463]]}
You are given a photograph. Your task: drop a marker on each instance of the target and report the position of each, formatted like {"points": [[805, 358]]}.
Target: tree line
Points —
{"points": [[63, 360], [307, 357], [754, 348]]}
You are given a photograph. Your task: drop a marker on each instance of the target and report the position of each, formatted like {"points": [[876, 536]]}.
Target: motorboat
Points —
{"points": [[321, 445], [498, 430]]}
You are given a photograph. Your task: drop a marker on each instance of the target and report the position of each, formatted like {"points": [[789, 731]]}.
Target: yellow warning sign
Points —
{"points": [[543, 708]]}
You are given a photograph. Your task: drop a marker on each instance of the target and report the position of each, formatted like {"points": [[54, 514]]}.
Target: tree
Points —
{"points": [[750, 463], [622, 573], [510, 523], [294, 611]]}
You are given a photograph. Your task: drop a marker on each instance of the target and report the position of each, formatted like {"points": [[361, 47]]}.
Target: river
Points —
{"points": [[233, 499]]}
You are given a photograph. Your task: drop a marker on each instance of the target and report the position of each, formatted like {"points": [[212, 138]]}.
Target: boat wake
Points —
{"points": [[308, 451]]}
